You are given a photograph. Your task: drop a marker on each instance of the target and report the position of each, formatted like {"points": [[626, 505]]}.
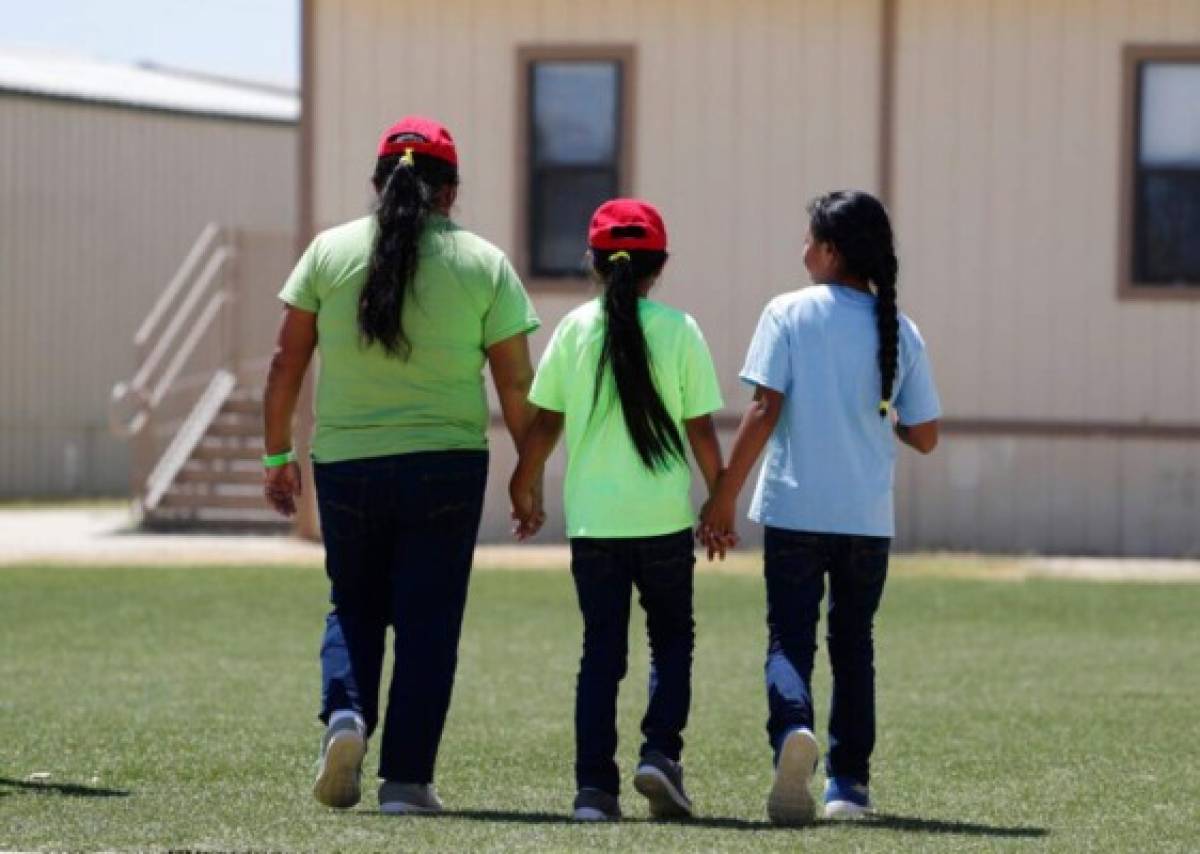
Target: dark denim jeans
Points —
{"points": [[796, 565], [605, 572], [399, 538]]}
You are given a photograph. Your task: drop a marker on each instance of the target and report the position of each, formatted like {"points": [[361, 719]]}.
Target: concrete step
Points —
{"points": [[235, 429], [230, 454], [243, 406], [247, 476], [217, 521], [215, 501]]}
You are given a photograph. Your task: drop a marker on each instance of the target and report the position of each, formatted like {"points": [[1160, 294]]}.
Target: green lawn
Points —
{"points": [[175, 708]]}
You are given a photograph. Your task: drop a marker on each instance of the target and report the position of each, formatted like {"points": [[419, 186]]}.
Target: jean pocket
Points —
{"points": [[342, 520], [669, 561], [868, 558], [795, 556], [592, 561]]}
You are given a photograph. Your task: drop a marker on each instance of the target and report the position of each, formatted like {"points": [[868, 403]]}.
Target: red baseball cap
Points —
{"points": [[618, 214], [439, 142]]}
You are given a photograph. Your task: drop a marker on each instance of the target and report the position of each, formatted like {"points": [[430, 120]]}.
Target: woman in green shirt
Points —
{"points": [[404, 307]]}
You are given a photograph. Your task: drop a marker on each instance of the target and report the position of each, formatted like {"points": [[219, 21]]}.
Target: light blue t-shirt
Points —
{"points": [[829, 463]]}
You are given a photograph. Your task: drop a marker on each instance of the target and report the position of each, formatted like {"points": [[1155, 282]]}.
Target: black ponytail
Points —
{"points": [[407, 187], [650, 426], [857, 226]]}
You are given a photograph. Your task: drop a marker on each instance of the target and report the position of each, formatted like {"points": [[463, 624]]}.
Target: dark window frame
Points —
{"points": [[1131, 228], [625, 57]]}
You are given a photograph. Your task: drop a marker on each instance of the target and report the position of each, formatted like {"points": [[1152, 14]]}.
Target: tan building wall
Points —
{"points": [[98, 205], [1007, 168], [994, 126]]}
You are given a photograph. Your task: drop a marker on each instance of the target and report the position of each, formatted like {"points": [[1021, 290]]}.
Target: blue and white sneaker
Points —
{"points": [[847, 798]]}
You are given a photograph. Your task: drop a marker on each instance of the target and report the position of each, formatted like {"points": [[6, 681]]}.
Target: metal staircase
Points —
{"points": [[192, 410], [219, 485]]}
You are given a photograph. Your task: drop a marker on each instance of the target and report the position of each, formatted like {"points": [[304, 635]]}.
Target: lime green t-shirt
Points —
{"points": [[608, 491], [465, 298]]}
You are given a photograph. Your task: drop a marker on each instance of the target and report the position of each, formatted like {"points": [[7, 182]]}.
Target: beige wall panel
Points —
{"points": [[1006, 171], [98, 206], [1072, 496], [1007, 155]]}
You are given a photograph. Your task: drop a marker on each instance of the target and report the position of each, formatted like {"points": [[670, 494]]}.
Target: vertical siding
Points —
{"points": [[1007, 164], [97, 207]]}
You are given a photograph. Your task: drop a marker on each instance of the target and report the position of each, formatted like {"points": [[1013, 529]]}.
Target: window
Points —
{"points": [[1162, 191], [575, 105]]}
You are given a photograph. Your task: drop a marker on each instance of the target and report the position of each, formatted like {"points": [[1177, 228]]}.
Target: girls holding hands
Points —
{"points": [[628, 378], [828, 365]]}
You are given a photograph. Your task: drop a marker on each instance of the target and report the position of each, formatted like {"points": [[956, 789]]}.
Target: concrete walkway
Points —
{"points": [[106, 536]]}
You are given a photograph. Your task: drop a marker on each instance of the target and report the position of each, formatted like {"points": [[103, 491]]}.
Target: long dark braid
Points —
{"points": [[407, 186], [651, 428], [857, 226]]}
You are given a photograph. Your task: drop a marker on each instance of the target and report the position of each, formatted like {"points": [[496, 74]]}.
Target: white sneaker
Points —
{"points": [[790, 801], [339, 776], [408, 799]]}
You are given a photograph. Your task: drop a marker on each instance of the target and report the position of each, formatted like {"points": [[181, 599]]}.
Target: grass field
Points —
{"points": [[174, 708]]}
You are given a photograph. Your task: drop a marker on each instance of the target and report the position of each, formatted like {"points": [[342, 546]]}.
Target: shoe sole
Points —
{"points": [[790, 801], [666, 801], [593, 814], [338, 782], [405, 808], [846, 810]]}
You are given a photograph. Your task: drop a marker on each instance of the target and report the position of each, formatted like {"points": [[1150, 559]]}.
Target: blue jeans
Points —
{"points": [[399, 538], [605, 572], [796, 565]]}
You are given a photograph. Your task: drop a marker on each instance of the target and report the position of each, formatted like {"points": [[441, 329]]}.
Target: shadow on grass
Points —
{"points": [[881, 821], [561, 818], [912, 824], [70, 790]]}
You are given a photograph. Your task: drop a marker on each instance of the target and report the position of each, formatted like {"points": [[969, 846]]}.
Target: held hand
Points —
{"points": [[281, 485], [716, 529], [527, 512]]}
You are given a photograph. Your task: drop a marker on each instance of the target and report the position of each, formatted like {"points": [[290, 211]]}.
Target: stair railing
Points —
{"points": [[185, 367]]}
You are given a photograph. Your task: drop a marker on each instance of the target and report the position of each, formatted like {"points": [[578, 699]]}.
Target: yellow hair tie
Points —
{"points": [[616, 256], [884, 406], [408, 159]]}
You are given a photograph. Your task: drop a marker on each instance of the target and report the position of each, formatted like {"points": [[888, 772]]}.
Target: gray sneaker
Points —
{"points": [[339, 776], [596, 805], [661, 781], [790, 801], [408, 798]]}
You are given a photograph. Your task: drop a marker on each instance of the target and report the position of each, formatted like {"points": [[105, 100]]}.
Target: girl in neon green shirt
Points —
{"points": [[628, 378]]}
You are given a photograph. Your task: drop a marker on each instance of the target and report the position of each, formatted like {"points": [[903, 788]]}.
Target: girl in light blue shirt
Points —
{"points": [[839, 374]]}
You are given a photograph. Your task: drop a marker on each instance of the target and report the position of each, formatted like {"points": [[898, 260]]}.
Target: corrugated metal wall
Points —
{"points": [[98, 205], [1007, 163], [742, 113]]}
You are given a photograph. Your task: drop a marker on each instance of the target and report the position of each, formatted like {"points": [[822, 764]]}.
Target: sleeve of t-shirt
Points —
{"points": [[917, 400], [548, 390], [768, 362], [701, 388], [511, 312], [300, 289]]}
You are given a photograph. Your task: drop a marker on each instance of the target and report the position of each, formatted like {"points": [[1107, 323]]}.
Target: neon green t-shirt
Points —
{"points": [[608, 491], [465, 298]]}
